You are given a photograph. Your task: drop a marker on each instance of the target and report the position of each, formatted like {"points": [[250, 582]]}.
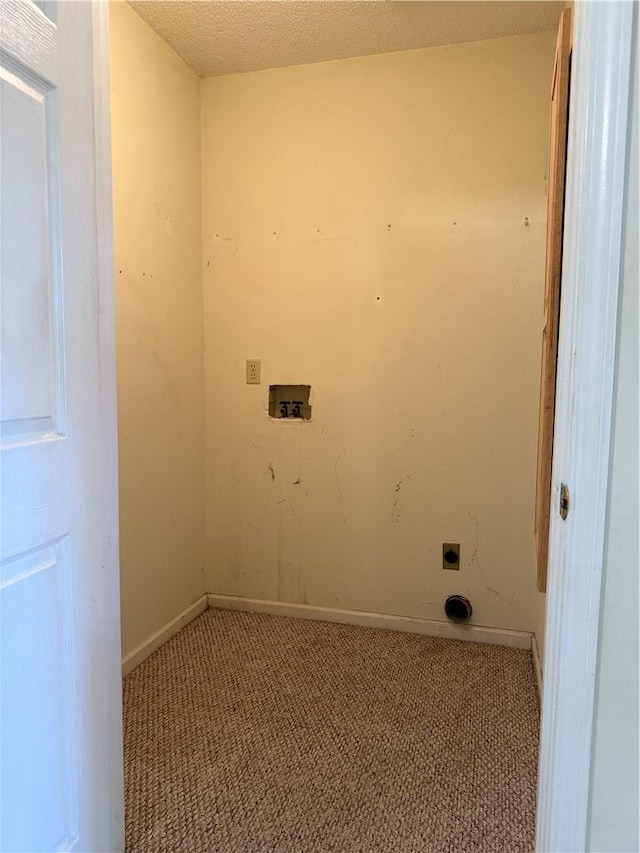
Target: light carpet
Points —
{"points": [[249, 733]]}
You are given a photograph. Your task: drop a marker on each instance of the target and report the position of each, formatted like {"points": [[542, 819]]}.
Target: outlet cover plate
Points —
{"points": [[451, 556], [253, 371]]}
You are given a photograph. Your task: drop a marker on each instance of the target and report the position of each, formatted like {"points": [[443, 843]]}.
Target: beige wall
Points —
{"points": [[157, 217], [615, 794], [364, 232]]}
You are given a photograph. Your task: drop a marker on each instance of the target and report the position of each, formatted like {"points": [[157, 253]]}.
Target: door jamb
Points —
{"points": [[114, 809], [595, 194]]}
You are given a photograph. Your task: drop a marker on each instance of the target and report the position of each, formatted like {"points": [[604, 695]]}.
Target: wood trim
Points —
{"points": [[553, 270], [407, 624], [596, 161]]}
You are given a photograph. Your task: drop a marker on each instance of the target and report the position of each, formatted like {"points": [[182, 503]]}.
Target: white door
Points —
{"points": [[61, 743]]}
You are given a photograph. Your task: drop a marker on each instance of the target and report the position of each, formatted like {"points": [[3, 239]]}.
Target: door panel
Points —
{"points": [[38, 680], [60, 729], [31, 323]]}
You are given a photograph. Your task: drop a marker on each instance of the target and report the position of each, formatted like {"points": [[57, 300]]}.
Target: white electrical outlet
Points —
{"points": [[253, 371]]}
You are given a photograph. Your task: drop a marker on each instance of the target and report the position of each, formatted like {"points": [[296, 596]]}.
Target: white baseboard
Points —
{"points": [[149, 646], [409, 624], [537, 664]]}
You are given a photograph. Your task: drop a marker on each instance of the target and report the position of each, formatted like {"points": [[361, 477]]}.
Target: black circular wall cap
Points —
{"points": [[458, 608]]}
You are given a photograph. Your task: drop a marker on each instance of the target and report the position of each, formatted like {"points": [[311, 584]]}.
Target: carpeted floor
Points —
{"points": [[249, 733]]}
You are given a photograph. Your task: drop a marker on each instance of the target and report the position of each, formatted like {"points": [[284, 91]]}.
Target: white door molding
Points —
{"points": [[114, 817], [596, 157]]}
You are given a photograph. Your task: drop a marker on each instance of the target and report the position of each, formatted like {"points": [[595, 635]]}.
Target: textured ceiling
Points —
{"points": [[218, 37]]}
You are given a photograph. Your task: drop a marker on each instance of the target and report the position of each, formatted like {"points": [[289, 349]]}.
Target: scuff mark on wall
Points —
{"points": [[475, 558], [397, 511], [399, 504], [272, 472]]}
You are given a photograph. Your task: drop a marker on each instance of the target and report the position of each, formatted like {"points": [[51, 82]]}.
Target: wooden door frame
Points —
{"points": [[553, 275], [595, 194]]}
